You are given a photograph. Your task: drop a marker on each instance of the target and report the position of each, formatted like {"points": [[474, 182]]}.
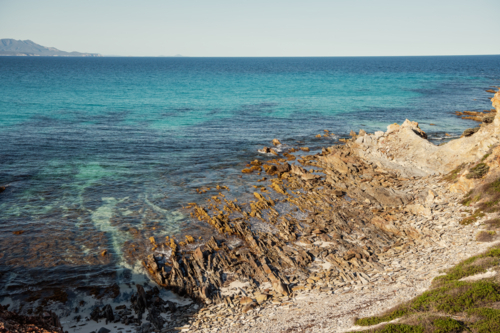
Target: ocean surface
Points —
{"points": [[99, 154]]}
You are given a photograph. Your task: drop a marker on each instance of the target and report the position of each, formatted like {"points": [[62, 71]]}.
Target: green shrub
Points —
{"points": [[400, 328], [448, 325], [489, 320]]}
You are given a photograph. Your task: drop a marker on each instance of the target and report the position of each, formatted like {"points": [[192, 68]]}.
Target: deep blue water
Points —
{"points": [[95, 149]]}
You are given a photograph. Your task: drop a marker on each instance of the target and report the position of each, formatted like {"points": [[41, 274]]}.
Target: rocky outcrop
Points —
{"points": [[45, 322], [404, 148], [349, 215]]}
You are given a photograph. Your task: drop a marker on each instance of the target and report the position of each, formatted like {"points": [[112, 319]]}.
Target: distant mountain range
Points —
{"points": [[13, 47]]}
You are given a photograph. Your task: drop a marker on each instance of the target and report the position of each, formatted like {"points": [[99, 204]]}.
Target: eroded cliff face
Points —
{"points": [[405, 149]]}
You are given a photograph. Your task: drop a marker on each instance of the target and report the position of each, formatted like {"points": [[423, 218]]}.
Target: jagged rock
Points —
{"points": [[279, 287], [142, 302], [276, 142], [385, 225], [336, 163], [415, 128], [285, 167], [108, 314], [295, 169]]}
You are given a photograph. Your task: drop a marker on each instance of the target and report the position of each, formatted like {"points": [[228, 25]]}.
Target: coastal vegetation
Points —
{"points": [[453, 304]]}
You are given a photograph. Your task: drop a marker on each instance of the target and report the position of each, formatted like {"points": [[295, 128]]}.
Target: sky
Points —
{"points": [[257, 28]]}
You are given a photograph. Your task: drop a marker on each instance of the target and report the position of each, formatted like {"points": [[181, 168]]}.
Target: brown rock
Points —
{"points": [[279, 287], [299, 171], [245, 300], [276, 142], [270, 169], [338, 193], [310, 176], [305, 149], [336, 163], [248, 307], [388, 197], [385, 225], [2, 188], [261, 298], [285, 167], [198, 256], [305, 241]]}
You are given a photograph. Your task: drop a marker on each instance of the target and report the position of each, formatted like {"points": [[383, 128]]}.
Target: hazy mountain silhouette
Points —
{"points": [[13, 47]]}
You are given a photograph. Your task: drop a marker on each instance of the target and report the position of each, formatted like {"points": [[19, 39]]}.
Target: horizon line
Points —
{"points": [[340, 56]]}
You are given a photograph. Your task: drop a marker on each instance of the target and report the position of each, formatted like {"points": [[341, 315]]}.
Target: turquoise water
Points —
{"points": [[99, 154]]}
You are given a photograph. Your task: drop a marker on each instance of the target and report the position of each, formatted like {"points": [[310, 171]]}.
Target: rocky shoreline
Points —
{"points": [[345, 232], [357, 202]]}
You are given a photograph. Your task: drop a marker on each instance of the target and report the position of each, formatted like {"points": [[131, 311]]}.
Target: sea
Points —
{"points": [[99, 154]]}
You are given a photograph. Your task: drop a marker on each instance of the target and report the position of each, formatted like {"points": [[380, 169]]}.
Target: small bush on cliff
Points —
{"points": [[478, 171]]}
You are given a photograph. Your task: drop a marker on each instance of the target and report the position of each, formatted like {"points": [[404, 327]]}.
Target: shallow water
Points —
{"points": [[100, 154]]}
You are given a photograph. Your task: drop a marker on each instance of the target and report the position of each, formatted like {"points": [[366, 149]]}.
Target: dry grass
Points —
{"points": [[486, 236]]}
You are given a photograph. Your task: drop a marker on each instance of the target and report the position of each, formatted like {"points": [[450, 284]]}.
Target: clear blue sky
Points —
{"points": [[257, 27]]}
